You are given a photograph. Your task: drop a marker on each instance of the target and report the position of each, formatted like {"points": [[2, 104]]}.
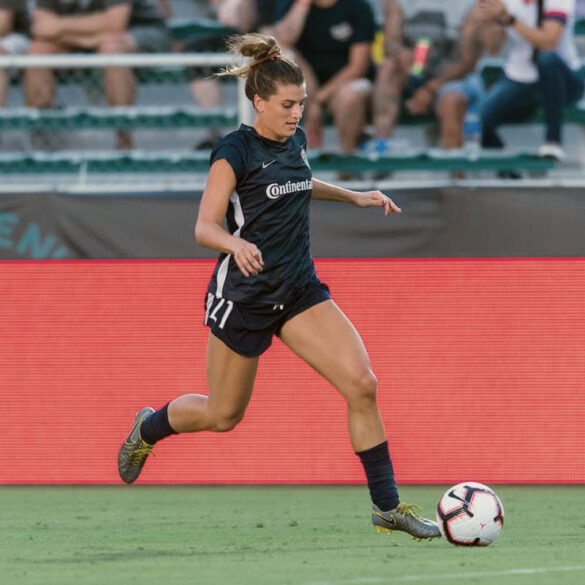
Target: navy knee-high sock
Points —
{"points": [[380, 474], [156, 426]]}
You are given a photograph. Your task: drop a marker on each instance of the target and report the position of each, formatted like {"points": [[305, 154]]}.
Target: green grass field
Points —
{"points": [[273, 536]]}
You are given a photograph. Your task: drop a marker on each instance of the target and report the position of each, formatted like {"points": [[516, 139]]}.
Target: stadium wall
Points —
{"points": [[437, 222], [480, 365]]}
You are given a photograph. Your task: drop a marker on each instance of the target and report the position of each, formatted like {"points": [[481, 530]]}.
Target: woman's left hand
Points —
{"points": [[377, 199]]}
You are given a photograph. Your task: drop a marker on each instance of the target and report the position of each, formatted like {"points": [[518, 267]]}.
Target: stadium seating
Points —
{"points": [[181, 117], [183, 29], [198, 161], [139, 117], [127, 118], [135, 117]]}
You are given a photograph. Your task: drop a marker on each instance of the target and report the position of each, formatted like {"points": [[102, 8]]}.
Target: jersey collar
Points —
{"points": [[272, 143]]}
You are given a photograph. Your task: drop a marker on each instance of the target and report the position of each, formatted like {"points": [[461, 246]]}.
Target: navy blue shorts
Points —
{"points": [[248, 329]]}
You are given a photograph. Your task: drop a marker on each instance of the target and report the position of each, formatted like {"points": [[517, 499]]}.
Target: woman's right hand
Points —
{"points": [[248, 258]]}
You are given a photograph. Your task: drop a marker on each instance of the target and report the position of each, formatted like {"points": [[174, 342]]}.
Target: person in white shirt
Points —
{"points": [[542, 69]]}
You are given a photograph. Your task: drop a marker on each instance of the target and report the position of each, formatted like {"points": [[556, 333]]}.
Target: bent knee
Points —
{"points": [[390, 70], [351, 96], [452, 101], [37, 47], [364, 388], [226, 422], [116, 43], [547, 60]]}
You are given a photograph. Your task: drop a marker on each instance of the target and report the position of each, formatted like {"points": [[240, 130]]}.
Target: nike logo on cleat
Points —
{"points": [[264, 165], [390, 521]]}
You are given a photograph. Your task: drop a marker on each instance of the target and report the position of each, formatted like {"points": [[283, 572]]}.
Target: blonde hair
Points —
{"points": [[268, 66]]}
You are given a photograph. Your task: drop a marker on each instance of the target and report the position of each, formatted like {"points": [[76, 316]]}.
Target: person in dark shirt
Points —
{"points": [[332, 43], [265, 284], [104, 26], [14, 28]]}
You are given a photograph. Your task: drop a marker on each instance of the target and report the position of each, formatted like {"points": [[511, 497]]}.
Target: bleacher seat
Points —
{"points": [[183, 29], [127, 117], [198, 161], [165, 117]]}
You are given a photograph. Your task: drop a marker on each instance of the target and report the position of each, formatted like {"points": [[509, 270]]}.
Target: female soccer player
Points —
{"points": [[265, 284]]}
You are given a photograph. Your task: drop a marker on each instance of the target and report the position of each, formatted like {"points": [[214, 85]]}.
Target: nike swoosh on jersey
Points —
{"points": [[264, 165]]}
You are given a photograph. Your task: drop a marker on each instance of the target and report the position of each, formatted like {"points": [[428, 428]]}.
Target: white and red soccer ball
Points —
{"points": [[470, 514]]}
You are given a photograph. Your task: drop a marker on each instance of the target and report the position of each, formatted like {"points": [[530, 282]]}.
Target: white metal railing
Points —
{"points": [[96, 61], [93, 61]]}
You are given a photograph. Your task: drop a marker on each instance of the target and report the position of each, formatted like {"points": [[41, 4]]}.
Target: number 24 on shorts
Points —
{"points": [[212, 312]]}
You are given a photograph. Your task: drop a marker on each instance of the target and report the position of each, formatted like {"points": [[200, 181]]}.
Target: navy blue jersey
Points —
{"points": [[270, 208]]}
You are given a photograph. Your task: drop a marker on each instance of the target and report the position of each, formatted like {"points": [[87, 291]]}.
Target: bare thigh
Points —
{"points": [[350, 95], [230, 379], [327, 340]]}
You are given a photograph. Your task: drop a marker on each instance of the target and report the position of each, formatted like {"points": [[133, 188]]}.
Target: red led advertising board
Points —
{"points": [[480, 364]]}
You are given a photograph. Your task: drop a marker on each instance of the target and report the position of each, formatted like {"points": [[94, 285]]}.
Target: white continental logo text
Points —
{"points": [[274, 190]]}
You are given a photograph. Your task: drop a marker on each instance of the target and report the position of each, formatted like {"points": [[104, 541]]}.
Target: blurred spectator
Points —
{"points": [[241, 15], [580, 26], [104, 26], [542, 69], [427, 47], [165, 9], [14, 28], [456, 86], [332, 41]]}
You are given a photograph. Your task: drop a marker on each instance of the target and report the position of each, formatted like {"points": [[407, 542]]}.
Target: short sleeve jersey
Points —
{"points": [[519, 65], [21, 21], [330, 32], [269, 208], [144, 12]]}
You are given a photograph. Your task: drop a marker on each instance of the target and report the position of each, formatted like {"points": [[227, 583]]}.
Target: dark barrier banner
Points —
{"points": [[450, 222], [479, 364]]}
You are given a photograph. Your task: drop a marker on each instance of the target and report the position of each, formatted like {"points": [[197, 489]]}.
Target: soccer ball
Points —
{"points": [[470, 514]]}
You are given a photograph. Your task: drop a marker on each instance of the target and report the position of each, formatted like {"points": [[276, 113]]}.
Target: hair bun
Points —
{"points": [[260, 48]]}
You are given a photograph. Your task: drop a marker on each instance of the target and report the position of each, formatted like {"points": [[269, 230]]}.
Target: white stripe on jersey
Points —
{"points": [[223, 268]]}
